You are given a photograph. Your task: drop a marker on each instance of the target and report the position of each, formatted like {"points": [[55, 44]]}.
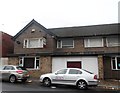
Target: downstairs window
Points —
{"points": [[115, 63]]}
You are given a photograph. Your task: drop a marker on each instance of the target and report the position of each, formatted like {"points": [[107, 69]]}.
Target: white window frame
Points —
{"points": [[115, 63], [112, 45], [36, 58], [61, 44], [41, 42], [25, 44], [87, 42], [21, 61]]}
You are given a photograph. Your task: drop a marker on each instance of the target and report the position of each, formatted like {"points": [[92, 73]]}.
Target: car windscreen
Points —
{"points": [[87, 71], [21, 68]]}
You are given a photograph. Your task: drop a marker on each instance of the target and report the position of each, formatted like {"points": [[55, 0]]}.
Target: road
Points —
{"points": [[35, 87]]}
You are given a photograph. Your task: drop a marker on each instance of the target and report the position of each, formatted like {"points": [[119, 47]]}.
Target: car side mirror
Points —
{"points": [[56, 73]]}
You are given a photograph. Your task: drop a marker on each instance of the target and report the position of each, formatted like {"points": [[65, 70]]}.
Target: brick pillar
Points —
{"points": [[45, 64], [100, 67]]}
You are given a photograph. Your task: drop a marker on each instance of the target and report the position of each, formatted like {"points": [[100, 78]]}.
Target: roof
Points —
{"points": [[29, 24], [95, 30], [80, 31]]}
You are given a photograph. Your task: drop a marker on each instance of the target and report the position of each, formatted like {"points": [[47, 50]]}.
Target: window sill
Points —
{"points": [[34, 48], [94, 47], [112, 46], [66, 48], [115, 69]]}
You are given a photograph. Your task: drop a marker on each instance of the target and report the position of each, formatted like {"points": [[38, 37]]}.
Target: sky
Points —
{"points": [[16, 14]]}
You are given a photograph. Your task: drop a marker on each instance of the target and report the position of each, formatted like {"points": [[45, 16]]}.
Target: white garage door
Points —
{"points": [[88, 63]]}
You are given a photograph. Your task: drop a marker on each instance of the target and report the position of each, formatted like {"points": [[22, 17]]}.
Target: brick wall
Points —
{"points": [[45, 67], [109, 73], [79, 47], [18, 47], [100, 67], [46, 64], [13, 61]]}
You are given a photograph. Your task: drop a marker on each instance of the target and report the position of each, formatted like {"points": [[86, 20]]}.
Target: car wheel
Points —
{"points": [[47, 82], [82, 85], [12, 79]]}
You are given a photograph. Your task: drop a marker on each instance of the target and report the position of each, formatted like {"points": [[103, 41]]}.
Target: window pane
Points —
{"points": [[29, 62], [33, 43], [113, 63], [40, 43], [20, 61], [21, 68], [37, 64], [113, 41], [67, 43], [63, 71], [59, 44], [7, 68], [86, 43], [12, 68], [118, 62], [93, 42], [25, 43], [72, 71]]}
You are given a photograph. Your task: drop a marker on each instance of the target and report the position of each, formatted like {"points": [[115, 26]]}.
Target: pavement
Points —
{"points": [[103, 84], [111, 84]]}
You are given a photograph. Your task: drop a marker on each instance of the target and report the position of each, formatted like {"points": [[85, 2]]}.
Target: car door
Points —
{"points": [[72, 76], [6, 72], [59, 76]]}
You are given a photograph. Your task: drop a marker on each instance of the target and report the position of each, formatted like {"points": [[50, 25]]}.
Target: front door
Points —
{"points": [[72, 76], [59, 76]]}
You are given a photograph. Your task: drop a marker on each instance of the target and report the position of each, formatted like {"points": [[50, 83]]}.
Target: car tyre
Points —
{"points": [[82, 85], [12, 79], [47, 82]]}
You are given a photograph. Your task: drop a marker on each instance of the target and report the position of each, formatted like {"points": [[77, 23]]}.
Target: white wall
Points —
{"points": [[3, 61], [89, 63]]}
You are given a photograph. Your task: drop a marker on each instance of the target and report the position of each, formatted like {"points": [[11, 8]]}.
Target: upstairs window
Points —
{"points": [[93, 42], [112, 41], [34, 43], [65, 43]]}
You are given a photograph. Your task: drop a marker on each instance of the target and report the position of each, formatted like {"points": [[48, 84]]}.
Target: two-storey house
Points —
{"points": [[94, 48]]}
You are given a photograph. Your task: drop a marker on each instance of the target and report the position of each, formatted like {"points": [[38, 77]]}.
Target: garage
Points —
{"points": [[89, 63]]}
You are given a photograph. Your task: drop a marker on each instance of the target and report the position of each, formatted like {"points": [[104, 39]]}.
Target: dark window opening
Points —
{"points": [[29, 62], [74, 64]]}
